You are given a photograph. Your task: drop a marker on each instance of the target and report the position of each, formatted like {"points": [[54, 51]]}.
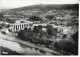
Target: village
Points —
{"points": [[39, 31]]}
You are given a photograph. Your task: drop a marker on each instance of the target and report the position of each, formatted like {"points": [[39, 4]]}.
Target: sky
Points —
{"points": [[9, 4]]}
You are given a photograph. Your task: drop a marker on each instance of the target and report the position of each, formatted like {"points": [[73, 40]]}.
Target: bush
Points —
{"points": [[66, 45], [0, 27], [50, 17], [35, 18], [37, 36], [51, 31]]}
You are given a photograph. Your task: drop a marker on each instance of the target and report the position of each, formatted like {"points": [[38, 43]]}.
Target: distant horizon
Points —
{"points": [[38, 4], [10, 4]]}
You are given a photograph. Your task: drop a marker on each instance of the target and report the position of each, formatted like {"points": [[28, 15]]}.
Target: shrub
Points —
{"points": [[66, 45]]}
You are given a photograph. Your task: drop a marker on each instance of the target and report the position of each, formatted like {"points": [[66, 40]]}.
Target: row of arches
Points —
{"points": [[21, 26]]}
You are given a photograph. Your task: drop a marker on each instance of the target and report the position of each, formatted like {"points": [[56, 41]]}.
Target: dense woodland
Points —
{"points": [[48, 38]]}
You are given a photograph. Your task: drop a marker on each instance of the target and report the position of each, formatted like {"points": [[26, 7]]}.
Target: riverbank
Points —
{"points": [[24, 47]]}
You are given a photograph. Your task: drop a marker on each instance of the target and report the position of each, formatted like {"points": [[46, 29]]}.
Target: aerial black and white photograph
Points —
{"points": [[39, 27]]}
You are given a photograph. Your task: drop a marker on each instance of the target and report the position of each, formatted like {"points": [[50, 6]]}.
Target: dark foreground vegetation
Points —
{"points": [[37, 35], [48, 38]]}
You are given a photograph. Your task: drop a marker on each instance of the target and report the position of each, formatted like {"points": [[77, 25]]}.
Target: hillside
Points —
{"points": [[48, 7], [46, 12]]}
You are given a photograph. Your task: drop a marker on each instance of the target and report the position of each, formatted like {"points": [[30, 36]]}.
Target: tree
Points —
{"points": [[0, 27], [75, 38], [26, 29], [66, 45], [43, 33], [51, 17], [51, 31], [44, 40], [7, 26], [10, 21], [26, 34], [35, 18], [40, 27], [1, 16], [22, 34], [36, 29]]}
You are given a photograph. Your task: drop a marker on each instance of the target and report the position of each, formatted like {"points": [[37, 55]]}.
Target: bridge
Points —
{"points": [[20, 26]]}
